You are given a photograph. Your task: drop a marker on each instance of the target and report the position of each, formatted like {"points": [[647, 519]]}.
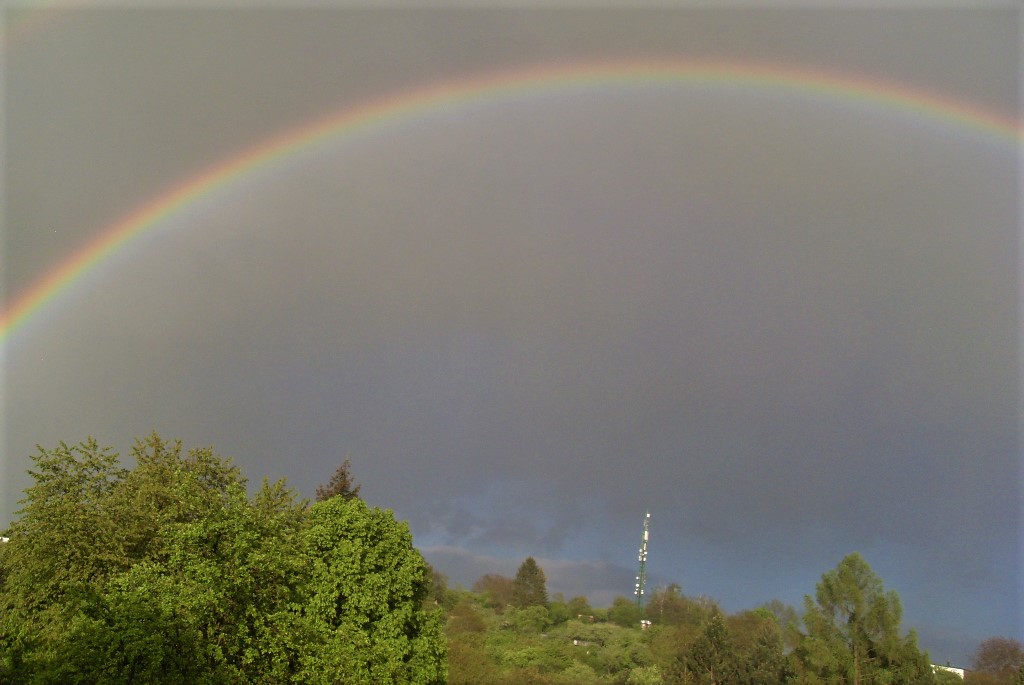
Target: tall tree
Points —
{"points": [[529, 587], [853, 631], [340, 485], [712, 659]]}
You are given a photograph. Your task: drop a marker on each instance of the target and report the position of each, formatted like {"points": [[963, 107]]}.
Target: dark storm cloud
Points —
{"points": [[785, 324]]}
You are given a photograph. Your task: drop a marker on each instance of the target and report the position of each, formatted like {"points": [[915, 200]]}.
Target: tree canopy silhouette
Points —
{"points": [[340, 485]]}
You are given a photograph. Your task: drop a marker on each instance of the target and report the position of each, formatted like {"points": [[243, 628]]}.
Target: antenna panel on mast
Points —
{"points": [[641, 576]]}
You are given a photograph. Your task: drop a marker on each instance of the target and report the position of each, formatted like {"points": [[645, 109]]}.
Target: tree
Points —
{"points": [[853, 631], [579, 608], [558, 610], [529, 588], [438, 594], [788, 620], [669, 606], [364, 600], [498, 590], [645, 675], [171, 573], [997, 660], [340, 485], [464, 618], [711, 659], [624, 612], [62, 543]]}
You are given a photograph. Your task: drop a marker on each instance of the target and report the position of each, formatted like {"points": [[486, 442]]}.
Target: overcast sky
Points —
{"points": [[785, 324]]}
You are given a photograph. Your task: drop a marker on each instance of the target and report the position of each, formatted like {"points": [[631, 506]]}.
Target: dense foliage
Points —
{"points": [[170, 572], [849, 634]]}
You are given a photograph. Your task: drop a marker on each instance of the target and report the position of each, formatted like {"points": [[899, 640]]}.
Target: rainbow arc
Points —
{"points": [[887, 96]]}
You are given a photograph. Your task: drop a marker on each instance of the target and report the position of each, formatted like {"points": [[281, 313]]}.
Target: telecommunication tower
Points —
{"points": [[641, 576]]}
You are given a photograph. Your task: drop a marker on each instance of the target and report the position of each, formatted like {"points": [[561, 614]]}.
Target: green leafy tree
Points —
{"points": [[612, 651], [464, 618], [469, 663], [62, 544], [645, 675], [529, 587], [853, 632], [438, 594], [498, 591], [531, 619], [758, 642], [788, 621], [171, 573], [668, 606], [579, 608], [364, 600], [624, 612], [558, 610]]}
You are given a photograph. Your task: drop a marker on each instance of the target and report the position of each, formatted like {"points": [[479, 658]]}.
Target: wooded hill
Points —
{"points": [[172, 572], [852, 636]]}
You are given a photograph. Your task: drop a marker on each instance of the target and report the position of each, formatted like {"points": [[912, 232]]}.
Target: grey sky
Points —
{"points": [[785, 324]]}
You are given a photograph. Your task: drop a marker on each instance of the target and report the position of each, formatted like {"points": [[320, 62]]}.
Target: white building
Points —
{"points": [[959, 671]]}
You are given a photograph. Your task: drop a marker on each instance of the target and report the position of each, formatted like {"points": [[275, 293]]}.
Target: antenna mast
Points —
{"points": [[641, 576]]}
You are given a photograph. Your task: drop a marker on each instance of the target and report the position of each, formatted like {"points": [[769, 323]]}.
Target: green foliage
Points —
{"points": [[531, 619], [171, 573], [438, 594], [579, 607], [558, 610], [529, 588], [669, 606], [645, 675], [711, 659], [853, 636], [787, 619], [694, 642], [468, 662], [624, 612], [497, 590], [364, 597], [759, 646], [464, 618]]}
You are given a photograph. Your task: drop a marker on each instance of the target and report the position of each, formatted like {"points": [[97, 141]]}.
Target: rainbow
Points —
{"points": [[885, 95]]}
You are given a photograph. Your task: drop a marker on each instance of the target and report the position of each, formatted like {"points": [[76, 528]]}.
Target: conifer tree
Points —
{"points": [[530, 585], [341, 484], [711, 659]]}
